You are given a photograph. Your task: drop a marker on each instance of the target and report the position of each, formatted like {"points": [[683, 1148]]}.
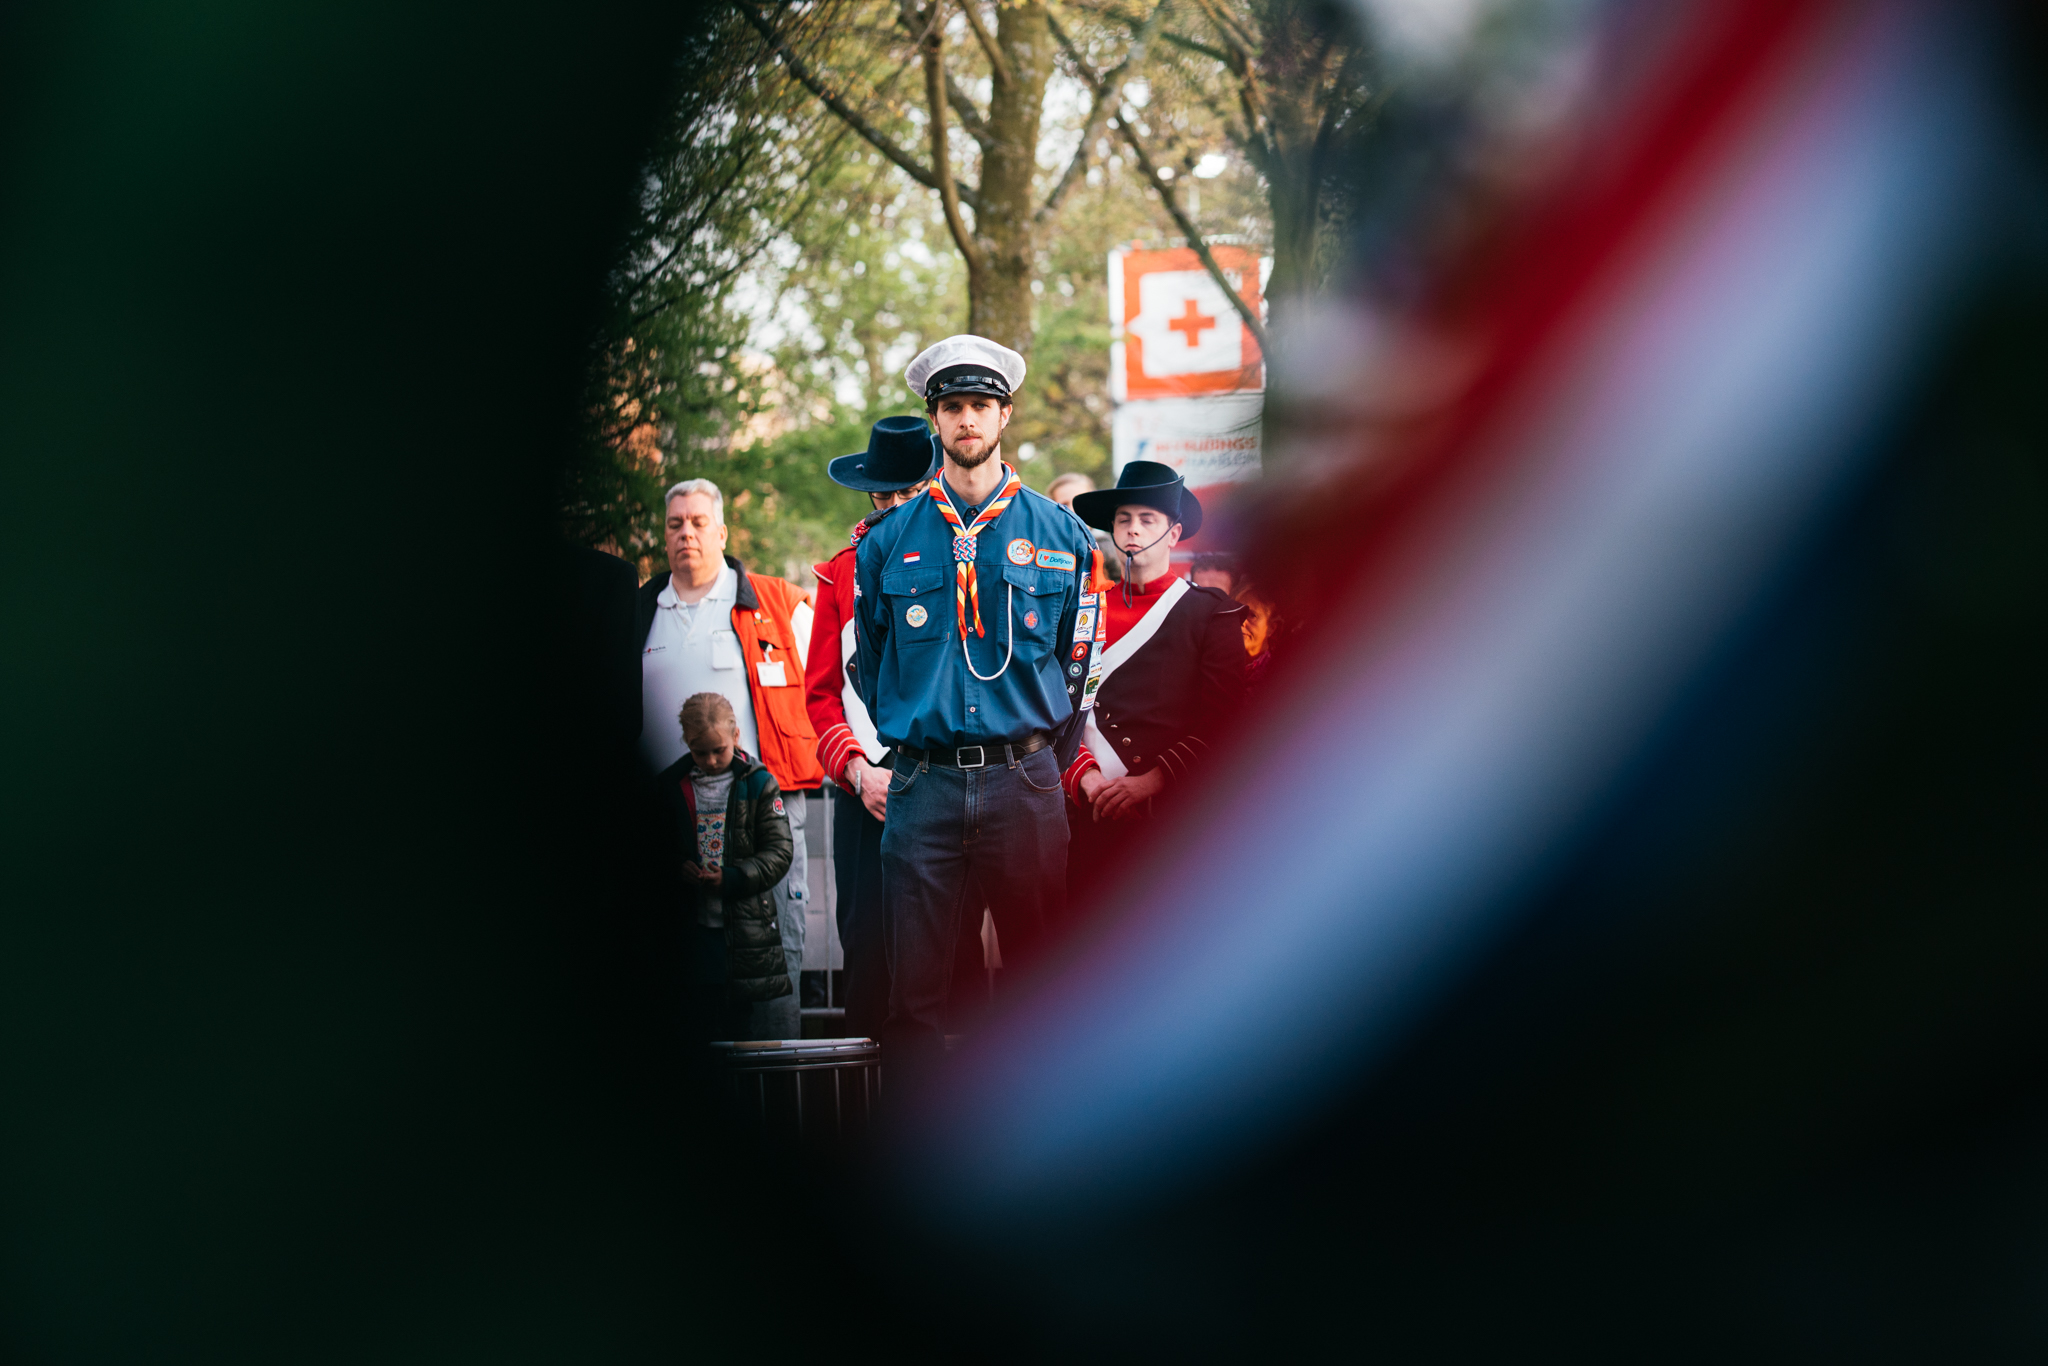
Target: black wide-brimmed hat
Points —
{"points": [[901, 451], [1147, 482]]}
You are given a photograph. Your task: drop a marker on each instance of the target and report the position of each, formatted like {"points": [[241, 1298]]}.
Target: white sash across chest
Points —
{"points": [[1113, 658]]}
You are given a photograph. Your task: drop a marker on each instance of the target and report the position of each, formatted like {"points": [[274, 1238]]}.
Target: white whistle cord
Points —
{"points": [[1010, 611]]}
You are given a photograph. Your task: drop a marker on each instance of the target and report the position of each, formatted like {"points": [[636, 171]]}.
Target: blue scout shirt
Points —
{"points": [[1032, 564]]}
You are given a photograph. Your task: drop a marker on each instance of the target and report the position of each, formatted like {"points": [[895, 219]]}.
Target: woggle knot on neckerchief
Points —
{"points": [[966, 584]]}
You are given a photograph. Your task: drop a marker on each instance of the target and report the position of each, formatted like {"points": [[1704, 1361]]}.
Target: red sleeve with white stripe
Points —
{"points": [[825, 672], [1071, 779]]}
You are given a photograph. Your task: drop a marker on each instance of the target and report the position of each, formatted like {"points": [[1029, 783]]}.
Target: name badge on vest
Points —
{"points": [[773, 674]]}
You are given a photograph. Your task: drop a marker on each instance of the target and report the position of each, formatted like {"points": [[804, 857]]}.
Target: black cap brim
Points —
{"points": [[949, 383]]}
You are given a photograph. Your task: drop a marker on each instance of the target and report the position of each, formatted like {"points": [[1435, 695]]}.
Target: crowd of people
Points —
{"points": [[1000, 691]]}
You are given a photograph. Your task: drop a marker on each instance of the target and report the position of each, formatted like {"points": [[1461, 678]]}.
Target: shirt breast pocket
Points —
{"points": [[917, 607], [1035, 599]]}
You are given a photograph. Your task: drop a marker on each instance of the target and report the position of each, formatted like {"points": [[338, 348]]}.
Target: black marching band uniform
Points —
{"points": [[1172, 679]]}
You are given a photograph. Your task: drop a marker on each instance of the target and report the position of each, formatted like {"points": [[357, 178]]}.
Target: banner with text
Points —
{"points": [[1209, 440]]}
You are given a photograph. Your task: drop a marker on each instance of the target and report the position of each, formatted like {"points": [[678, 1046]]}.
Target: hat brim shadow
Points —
{"points": [[1098, 507]]}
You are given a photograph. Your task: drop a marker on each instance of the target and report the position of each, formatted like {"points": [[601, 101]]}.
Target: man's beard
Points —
{"points": [[975, 461]]}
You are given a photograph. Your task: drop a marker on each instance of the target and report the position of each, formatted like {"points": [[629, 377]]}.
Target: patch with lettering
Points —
{"points": [[1056, 559], [1021, 551], [1087, 599], [1084, 621], [916, 615]]}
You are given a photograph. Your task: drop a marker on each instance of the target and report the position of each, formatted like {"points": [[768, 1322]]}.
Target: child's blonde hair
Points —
{"points": [[704, 712]]}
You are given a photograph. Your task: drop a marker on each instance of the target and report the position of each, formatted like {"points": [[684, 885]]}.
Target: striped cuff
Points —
{"points": [[1181, 756], [835, 747], [1071, 779]]}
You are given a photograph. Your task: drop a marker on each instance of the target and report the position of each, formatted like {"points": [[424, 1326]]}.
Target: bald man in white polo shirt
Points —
{"points": [[710, 626]]}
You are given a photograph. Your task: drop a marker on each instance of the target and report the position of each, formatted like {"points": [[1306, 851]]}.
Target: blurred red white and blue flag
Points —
{"points": [[1605, 434]]}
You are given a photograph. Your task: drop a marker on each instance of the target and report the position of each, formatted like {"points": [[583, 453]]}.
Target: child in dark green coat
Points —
{"points": [[732, 846]]}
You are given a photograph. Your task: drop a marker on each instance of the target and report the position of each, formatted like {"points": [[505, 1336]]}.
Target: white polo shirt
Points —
{"points": [[691, 648]]}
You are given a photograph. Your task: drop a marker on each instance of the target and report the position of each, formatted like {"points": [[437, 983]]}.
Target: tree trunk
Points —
{"points": [[1294, 67], [999, 302], [1295, 223]]}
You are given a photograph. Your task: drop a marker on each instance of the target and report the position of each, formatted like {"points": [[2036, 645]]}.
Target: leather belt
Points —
{"points": [[978, 756]]}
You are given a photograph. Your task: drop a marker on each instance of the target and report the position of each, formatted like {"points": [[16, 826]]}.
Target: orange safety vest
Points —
{"points": [[761, 618]]}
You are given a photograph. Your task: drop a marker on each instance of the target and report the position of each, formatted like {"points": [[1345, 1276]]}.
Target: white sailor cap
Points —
{"points": [[965, 365]]}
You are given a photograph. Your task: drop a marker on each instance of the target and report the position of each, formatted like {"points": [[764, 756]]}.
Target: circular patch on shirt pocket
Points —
{"points": [[1031, 621], [915, 614], [1021, 551]]}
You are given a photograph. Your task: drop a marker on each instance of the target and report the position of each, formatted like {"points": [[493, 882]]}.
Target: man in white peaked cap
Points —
{"points": [[975, 622]]}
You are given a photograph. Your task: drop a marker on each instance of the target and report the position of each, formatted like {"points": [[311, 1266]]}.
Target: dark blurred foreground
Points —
{"points": [[338, 1020]]}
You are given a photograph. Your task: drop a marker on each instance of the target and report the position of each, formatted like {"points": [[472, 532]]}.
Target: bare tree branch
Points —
{"points": [[1144, 159], [1200, 49], [997, 65], [867, 131], [1237, 39], [1132, 21], [685, 234], [1231, 131], [1242, 59], [1134, 58], [760, 241], [935, 97], [970, 117]]}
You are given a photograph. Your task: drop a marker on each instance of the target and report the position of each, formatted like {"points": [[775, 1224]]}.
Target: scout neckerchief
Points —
{"points": [[965, 585]]}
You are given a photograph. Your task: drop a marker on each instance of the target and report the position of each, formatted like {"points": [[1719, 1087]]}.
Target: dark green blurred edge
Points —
{"points": [[338, 1022]]}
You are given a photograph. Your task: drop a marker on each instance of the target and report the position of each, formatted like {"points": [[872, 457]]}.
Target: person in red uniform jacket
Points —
{"points": [[901, 458], [1173, 674]]}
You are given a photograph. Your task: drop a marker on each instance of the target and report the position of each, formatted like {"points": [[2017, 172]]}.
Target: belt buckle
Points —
{"points": [[980, 756]]}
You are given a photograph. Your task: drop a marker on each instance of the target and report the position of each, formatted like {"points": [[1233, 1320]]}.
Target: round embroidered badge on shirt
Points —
{"points": [[1021, 551], [1074, 669], [1031, 621], [1081, 650], [916, 614]]}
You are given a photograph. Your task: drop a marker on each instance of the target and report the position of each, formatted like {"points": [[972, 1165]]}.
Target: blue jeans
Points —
{"points": [[857, 865], [956, 840]]}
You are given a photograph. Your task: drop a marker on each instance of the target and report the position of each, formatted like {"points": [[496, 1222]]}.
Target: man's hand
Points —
{"points": [[1126, 797], [710, 877], [871, 784]]}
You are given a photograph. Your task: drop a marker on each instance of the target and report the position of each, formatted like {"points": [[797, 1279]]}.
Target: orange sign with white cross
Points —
{"points": [[1177, 332]]}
